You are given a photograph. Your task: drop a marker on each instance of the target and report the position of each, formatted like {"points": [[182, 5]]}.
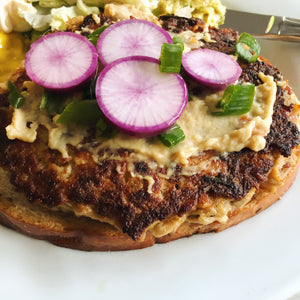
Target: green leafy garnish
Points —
{"points": [[247, 47], [52, 102], [237, 100], [81, 112], [86, 112], [172, 136], [93, 37], [171, 56], [15, 98]]}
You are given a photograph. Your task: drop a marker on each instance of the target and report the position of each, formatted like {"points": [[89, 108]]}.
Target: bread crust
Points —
{"points": [[84, 234], [262, 200], [44, 220]]}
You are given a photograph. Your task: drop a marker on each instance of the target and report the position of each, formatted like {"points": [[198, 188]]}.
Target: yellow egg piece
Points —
{"points": [[12, 53]]}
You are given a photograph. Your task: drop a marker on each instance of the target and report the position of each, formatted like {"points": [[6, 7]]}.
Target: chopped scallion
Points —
{"points": [[171, 56], [247, 47], [177, 40], [15, 98], [172, 136], [237, 100]]}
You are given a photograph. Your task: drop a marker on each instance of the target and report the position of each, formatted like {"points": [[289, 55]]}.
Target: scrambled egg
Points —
{"points": [[22, 15], [211, 11]]}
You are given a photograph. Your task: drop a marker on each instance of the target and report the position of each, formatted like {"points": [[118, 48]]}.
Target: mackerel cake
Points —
{"points": [[77, 188]]}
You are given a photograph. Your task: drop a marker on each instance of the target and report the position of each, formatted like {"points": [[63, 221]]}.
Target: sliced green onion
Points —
{"points": [[247, 47], [172, 136], [237, 100], [171, 56], [177, 40], [52, 102], [81, 112], [15, 98], [94, 36]]}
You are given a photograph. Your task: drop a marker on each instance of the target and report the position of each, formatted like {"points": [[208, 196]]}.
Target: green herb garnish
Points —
{"points": [[93, 37], [171, 56], [237, 100], [81, 112], [247, 47], [15, 98], [172, 136], [52, 102]]}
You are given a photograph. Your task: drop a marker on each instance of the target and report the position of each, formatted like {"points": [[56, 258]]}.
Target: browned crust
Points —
{"points": [[68, 230], [261, 201], [88, 235]]}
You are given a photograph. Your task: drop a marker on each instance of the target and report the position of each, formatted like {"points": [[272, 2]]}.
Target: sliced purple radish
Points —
{"points": [[213, 69], [61, 60], [131, 38], [139, 99]]}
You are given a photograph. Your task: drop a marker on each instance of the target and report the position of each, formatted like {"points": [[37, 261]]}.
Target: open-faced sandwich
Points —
{"points": [[126, 129]]}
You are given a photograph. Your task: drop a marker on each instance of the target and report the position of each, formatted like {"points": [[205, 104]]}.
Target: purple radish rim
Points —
{"points": [[140, 131], [85, 77], [213, 84], [122, 23]]}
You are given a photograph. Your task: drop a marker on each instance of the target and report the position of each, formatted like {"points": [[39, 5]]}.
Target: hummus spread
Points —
{"points": [[203, 131], [26, 120]]}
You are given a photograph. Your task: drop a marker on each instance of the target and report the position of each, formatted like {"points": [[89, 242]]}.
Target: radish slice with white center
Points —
{"points": [[139, 99], [131, 38], [213, 69], [61, 60]]}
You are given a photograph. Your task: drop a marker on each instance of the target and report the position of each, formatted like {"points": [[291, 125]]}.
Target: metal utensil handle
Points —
{"points": [[283, 28], [290, 27]]}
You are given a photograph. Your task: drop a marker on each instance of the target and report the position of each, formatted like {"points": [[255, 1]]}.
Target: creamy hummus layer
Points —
{"points": [[203, 131]]}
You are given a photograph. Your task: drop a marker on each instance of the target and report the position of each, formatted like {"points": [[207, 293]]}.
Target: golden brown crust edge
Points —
{"points": [[261, 201], [88, 235]]}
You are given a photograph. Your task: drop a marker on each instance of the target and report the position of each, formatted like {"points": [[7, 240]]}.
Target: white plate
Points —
{"points": [[258, 259]]}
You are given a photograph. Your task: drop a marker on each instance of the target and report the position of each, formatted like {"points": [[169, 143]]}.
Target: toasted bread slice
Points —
{"points": [[82, 233], [118, 202]]}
